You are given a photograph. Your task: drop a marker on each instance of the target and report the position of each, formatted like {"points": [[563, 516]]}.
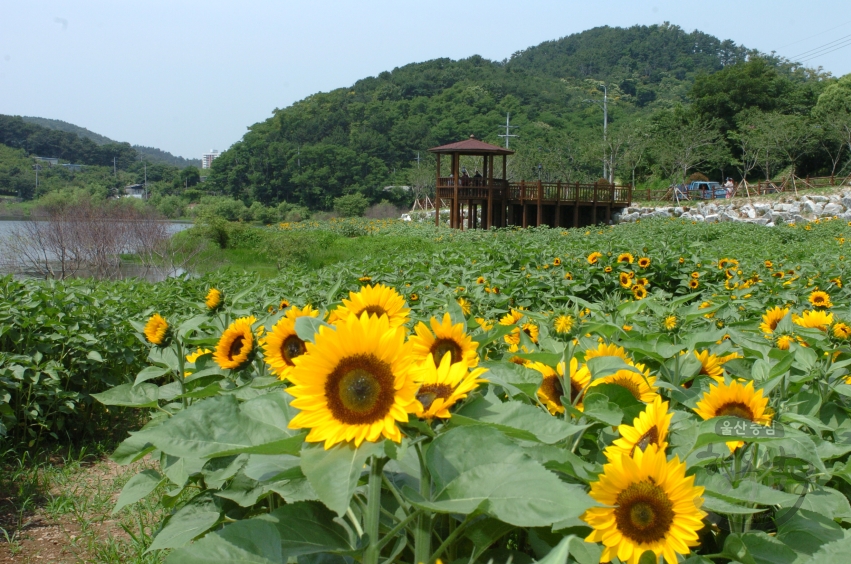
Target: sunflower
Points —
{"points": [[608, 270], [783, 342], [778, 274], [769, 264], [512, 317], [642, 281], [355, 382], [556, 261], [837, 281], [644, 262], [639, 292], [443, 386], [626, 257], [465, 305], [193, 358], [444, 338], [365, 279], [213, 299], [485, 324], [648, 504], [282, 344], [693, 284], [607, 350], [568, 276], [841, 331], [564, 323], [649, 428], [552, 389], [681, 260], [771, 318], [594, 257], [156, 329], [671, 322], [711, 365], [641, 386], [528, 327], [414, 297], [283, 305], [625, 280], [814, 319], [820, 299], [737, 400], [236, 344], [480, 280], [378, 300]]}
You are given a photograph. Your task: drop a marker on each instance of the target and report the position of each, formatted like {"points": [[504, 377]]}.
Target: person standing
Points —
{"points": [[729, 187]]}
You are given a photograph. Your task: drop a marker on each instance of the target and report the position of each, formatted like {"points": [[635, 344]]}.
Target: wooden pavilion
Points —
{"points": [[500, 203]]}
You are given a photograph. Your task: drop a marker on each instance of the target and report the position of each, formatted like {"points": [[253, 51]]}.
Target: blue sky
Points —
{"points": [[188, 76]]}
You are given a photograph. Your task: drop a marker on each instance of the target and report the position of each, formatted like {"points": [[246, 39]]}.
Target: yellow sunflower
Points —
{"points": [[649, 428], [443, 386], [814, 319], [283, 305], [771, 318], [511, 317], [528, 327], [236, 344], [626, 257], [641, 386], [671, 322], [564, 323], [552, 390], [282, 344], [642, 281], [769, 264], [841, 331], [625, 280], [355, 382], [693, 284], [648, 504], [820, 299], [568, 276], [610, 349], [465, 305], [594, 257], [213, 299], [444, 338], [736, 400], [193, 358], [639, 292], [156, 329], [783, 342], [485, 324], [556, 261], [644, 262], [480, 280], [608, 270], [712, 365], [375, 300]]}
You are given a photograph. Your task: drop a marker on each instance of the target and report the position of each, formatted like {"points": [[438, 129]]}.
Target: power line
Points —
{"points": [[811, 36], [837, 48], [820, 47]]}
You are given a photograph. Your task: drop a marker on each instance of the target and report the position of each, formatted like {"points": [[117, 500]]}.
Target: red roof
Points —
{"points": [[472, 146]]}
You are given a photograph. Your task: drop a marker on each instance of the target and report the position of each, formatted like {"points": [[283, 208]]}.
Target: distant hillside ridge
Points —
{"points": [[151, 154]]}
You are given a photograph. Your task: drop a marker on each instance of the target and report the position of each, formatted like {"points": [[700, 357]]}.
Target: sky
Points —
{"points": [[188, 76]]}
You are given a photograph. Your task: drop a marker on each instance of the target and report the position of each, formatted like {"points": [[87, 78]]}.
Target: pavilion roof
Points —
{"points": [[472, 146]]}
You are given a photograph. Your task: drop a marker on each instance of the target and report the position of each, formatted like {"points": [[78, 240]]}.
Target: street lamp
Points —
{"points": [[605, 104]]}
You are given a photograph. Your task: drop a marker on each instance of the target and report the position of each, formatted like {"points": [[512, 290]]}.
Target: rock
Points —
{"points": [[782, 207], [832, 209], [798, 218], [711, 218], [795, 208], [758, 221], [748, 210], [819, 199], [834, 199], [710, 209], [846, 201], [629, 217], [811, 208], [661, 213], [728, 216], [697, 217], [677, 211], [761, 209]]}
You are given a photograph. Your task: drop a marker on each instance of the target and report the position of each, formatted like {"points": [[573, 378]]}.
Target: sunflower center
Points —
{"points": [[443, 346], [735, 409], [376, 310], [291, 348], [553, 389], [630, 385], [360, 390], [651, 437], [236, 347], [430, 392], [644, 513]]}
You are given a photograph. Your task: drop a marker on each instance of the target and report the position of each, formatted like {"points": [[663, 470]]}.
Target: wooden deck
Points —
{"points": [[555, 204]]}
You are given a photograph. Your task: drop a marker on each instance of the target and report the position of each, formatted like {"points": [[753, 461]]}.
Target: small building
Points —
{"points": [[72, 167], [500, 203], [135, 191], [208, 158], [52, 161]]}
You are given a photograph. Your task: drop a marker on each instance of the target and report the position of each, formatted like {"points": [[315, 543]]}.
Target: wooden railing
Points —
{"points": [[546, 192], [760, 188]]}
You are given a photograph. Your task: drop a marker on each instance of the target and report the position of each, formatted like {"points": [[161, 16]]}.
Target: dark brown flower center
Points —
{"points": [[360, 390], [630, 385], [291, 348], [444, 346], [651, 437], [644, 513], [236, 347], [430, 392], [371, 310], [735, 409]]}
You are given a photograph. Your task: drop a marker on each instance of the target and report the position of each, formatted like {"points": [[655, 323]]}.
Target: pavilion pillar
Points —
{"points": [[594, 212], [489, 180], [540, 205], [557, 220], [456, 180], [524, 223], [437, 195], [576, 206], [471, 219]]}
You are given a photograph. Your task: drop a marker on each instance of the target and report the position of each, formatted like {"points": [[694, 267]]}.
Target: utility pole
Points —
{"points": [[508, 130], [146, 179], [605, 126], [113, 167], [417, 159]]}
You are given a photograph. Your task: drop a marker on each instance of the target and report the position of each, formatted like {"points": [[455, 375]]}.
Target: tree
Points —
{"points": [[790, 135], [684, 141], [749, 149], [351, 205]]}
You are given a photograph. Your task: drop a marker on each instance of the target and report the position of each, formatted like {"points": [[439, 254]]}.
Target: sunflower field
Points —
{"points": [[662, 392]]}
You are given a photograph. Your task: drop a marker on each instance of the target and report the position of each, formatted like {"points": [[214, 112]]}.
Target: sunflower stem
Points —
{"points": [[373, 510], [422, 530], [181, 360], [451, 538]]}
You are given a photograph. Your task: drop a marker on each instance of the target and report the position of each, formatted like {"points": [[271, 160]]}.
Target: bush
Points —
{"points": [[698, 177], [171, 206], [261, 214], [351, 205], [296, 214], [383, 210]]}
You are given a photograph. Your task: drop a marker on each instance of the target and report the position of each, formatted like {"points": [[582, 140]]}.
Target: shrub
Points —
{"points": [[698, 177], [382, 210], [351, 205]]}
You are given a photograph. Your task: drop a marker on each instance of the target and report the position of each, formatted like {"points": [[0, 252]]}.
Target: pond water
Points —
{"points": [[126, 270]]}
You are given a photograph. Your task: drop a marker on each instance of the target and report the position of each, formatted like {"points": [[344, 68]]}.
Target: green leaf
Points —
{"points": [[524, 494], [757, 548], [463, 448], [807, 531], [131, 449], [308, 528], [484, 532], [191, 520], [138, 487], [149, 373], [127, 395], [94, 355], [334, 473], [836, 551], [307, 328], [252, 542], [516, 419], [598, 406]]}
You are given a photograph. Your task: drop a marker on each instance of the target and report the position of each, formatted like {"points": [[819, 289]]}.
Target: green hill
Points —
{"points": [[151, 154], [366, 136]]}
